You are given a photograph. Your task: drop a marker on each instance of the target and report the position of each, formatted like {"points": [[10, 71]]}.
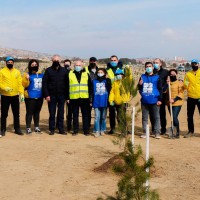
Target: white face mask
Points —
{"points": [[119, 77], [100, 74]]}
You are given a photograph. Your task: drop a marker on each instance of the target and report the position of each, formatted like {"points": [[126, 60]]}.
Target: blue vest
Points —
{"points": [[35, 87], [150, 92], [100, 94]]}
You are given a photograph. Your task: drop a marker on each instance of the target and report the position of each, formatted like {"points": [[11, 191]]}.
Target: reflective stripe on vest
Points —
{"points": [[77, 90]]}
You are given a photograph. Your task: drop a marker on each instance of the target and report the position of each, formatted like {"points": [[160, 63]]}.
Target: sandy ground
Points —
{"points": [[61, 167]]}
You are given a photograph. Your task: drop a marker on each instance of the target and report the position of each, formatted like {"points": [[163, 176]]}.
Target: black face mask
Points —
{"points": [[173, 78], [35, 69], [9, 66], [195, 67], [67, 66], [92, 65], [55, 64]]}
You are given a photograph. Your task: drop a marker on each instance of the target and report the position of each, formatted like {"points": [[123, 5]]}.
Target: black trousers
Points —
{"points": [[191, 104], [69, 115], [84, 105], [6, 101], [56, 103], [33, 108], [112, 115]]}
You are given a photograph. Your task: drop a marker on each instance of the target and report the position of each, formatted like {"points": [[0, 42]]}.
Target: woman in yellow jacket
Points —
{"points": [[118, 97], [176, 100]]}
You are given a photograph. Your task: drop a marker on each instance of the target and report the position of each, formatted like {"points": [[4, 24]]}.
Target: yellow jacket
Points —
{"points": [[176, 90], [192, 84], [116, 95], [11, 78]]}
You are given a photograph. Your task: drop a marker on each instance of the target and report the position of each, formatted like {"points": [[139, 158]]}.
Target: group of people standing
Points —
{"points": [[80, 87], [90, 87], [160, 88]]}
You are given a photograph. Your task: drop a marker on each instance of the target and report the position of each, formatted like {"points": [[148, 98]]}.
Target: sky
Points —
{"points": [[126, 28]]}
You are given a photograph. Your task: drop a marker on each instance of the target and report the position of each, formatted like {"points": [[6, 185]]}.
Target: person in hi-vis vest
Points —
{"points": [[79, 94]]}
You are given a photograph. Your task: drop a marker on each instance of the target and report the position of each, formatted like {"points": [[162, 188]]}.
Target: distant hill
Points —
{"points": [[25, 54]]}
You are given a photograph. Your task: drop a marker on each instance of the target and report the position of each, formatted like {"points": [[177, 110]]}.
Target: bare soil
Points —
{"points": [[59, 167]]}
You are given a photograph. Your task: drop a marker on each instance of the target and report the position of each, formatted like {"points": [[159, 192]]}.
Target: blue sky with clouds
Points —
{"points": [[128, 28]]}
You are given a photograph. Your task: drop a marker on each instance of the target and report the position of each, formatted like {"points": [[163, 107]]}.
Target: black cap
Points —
{"points": [[93, 59]]}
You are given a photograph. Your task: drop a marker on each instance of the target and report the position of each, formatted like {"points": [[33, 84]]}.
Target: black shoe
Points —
{"points": [[62, 133], [74, 133], [51, 133], [112, 131], [86, 134], [3, 132], [19, 132]]}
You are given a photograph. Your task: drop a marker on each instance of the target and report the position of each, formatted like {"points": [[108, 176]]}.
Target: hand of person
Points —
{"points": [[27, 76], [168, 79], [112, 103], [68, 101], [159, 103], [140, 82], [48, 98], [22, 98], [8, 89], [171, 100]]}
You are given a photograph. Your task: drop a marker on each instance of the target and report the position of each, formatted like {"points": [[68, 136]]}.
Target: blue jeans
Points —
{"points": [[100, 119]]}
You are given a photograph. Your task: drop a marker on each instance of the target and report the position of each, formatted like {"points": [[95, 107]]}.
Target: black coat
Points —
{"points": [[54, 82]]}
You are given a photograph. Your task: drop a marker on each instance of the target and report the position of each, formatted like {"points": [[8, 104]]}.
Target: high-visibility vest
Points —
{"points": [[78, 90]]}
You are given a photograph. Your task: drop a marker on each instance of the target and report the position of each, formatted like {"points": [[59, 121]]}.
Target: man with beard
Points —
{"points": [[192, 84], [54, 91]]}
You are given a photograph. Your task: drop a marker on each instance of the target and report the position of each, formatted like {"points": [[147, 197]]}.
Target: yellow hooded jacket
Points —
{"points": [[115, 94], [192, 84], [11, 78]]}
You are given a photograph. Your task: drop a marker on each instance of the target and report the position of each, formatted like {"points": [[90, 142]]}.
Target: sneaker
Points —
{"points": [[143, 136], [28, 131], [157, 136], [102, 133], [96, 134], [3, 132], [37, 130], [51, 132], [189, 134], [0, 135], [19, 132], [112, 131]]}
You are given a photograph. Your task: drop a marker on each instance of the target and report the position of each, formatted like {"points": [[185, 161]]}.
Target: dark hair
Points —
{"points": [[172, 70], [67, 60], [32, 61], [147, 63], [114, 56], [103, 69]]}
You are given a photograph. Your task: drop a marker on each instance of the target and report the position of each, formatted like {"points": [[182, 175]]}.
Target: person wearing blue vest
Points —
{"points": [[79, 91], [32, 83], [101, 89], [150, 88]]}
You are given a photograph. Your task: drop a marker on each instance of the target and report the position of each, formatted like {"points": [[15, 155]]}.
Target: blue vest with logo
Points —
{"points": [[150, 92], [35, 87], [100, 94]]}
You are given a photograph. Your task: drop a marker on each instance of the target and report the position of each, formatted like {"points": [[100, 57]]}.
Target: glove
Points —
{"points": [[112, 103], [22, 98], [8, 89]]}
